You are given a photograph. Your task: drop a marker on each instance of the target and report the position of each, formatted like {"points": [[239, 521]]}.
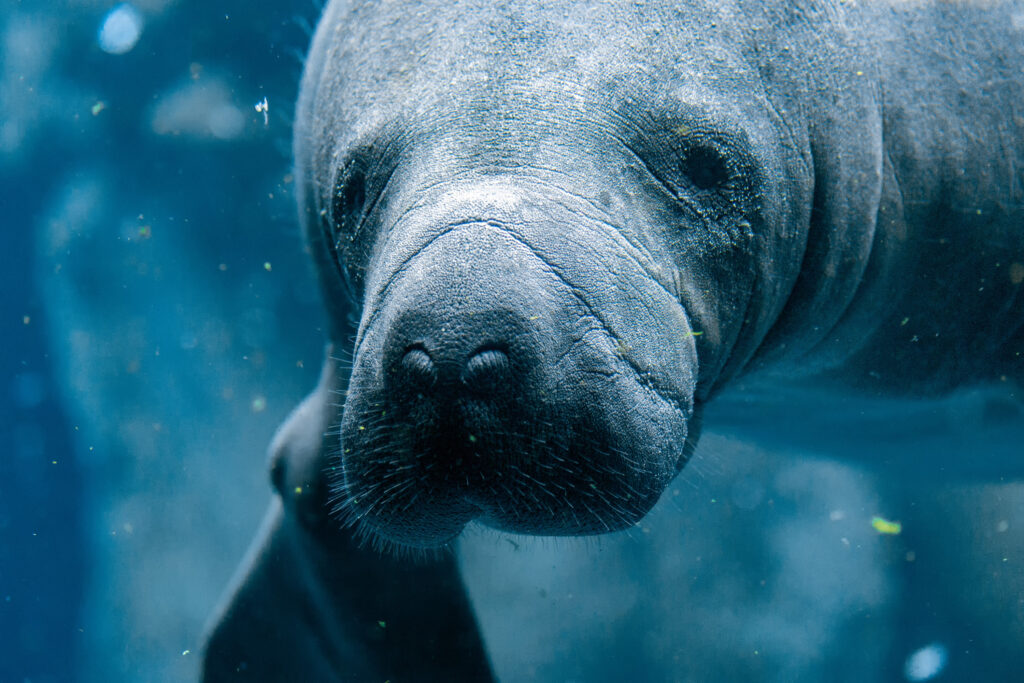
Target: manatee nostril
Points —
{"points": [[418, 367], [487, 370]]}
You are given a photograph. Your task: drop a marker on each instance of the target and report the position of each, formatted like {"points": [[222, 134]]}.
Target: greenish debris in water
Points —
{"points": [[884, 526]]}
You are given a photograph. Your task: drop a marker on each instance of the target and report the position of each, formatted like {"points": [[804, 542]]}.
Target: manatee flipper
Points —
{"points": [[309, 604]]}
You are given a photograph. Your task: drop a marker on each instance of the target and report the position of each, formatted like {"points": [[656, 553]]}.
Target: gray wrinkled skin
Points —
{"points": [[563, 228]]}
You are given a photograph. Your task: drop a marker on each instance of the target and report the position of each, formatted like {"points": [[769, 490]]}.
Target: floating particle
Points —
{"points": [[145, 232], [98, 107], [693, 334], [298, 490], [185, 652], [259, 404], [25, 320], [267, 267], [884, 526], [263, 107], [382, 624], [926, 663], [120, 29], [1016, 273]]}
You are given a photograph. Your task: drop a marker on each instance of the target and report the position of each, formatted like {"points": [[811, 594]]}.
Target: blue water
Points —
{"points": [[159, 319]]}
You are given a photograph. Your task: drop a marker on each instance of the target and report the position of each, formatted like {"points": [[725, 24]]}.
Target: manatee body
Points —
{"points": [[562, 228]]}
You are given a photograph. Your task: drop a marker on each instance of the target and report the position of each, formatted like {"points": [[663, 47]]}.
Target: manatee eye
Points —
{"points": [[705, 167], [349, 200]]}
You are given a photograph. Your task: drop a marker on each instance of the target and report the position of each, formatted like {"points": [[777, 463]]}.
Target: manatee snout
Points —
{"points": [[461, 360], [483, 357], [485, 387]]}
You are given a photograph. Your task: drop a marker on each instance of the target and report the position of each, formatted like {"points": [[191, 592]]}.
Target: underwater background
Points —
{"points": [[159, 319]]}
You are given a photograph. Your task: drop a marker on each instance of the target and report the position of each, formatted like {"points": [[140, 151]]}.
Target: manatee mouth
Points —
{"points": [[416, 477]]}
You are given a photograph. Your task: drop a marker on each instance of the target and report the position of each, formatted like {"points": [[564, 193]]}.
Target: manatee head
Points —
{"points": [[551, 238]]}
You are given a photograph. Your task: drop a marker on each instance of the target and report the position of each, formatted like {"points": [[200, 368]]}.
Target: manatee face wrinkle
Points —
{"points": [[566, 287], [672, 147]]}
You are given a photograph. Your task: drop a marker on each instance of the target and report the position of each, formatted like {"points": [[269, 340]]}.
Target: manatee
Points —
{"points": [[548, 234]]}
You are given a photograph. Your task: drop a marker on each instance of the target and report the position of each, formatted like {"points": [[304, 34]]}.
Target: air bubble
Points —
{"points": [[926, 663], [120, 29]]}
